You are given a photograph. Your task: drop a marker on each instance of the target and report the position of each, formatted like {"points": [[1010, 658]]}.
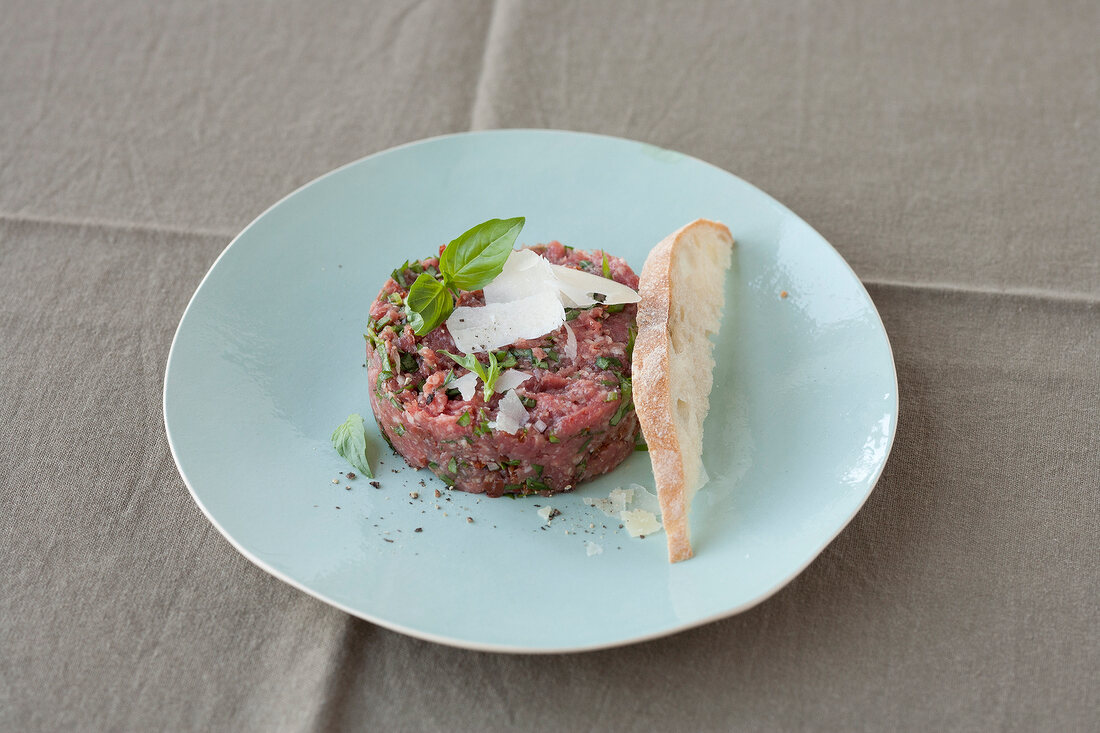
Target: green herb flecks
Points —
{"points": [[388, 441], [626, 389], [378, 344], [350, 441], [607, 362], [529, 354], [464, 419], [606, 267], [533, 485], [398, 275]]}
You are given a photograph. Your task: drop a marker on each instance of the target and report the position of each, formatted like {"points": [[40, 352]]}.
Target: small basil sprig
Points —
{"points": [[469, 262], [488, 375], [350, 441]]}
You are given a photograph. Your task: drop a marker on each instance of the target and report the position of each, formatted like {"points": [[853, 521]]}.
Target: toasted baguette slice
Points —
{"points": [[682, 289]]}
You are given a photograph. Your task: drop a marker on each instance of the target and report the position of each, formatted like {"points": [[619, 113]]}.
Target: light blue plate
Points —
{"points": [[267, 361]]}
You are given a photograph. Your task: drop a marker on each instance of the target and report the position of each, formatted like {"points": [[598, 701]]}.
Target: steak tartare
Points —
{"points": [[581, 420]]}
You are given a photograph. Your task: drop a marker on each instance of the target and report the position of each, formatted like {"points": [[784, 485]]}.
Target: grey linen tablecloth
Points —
{"points": [[950, 151]]}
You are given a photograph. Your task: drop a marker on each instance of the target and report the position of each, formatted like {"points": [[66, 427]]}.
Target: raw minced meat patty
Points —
{"points": [[582, 421]]}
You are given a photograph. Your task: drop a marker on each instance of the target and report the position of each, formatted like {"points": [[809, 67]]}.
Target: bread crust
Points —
{"points": [[653, 395]]}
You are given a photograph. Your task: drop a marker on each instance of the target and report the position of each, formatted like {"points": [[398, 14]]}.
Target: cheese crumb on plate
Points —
{"points": [[638, 521]]}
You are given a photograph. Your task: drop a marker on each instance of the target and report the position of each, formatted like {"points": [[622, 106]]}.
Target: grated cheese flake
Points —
{"points": [[502, 324], [510, 379], [466, 384], [639, 522], [527, 300], [643, 499], [525, 273], [570, 343], [577, 288], [615, 503], [511, 414]]}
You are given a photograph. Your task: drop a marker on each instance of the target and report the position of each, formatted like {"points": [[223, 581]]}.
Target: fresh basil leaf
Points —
{"points": [[428, 304], [472, 260], [350, 441]]}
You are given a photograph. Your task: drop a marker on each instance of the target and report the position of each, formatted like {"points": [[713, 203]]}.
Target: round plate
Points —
{"points": [[268, 359]]}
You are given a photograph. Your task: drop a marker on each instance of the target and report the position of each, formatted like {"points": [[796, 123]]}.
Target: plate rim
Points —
{"points": [[512, 648]]}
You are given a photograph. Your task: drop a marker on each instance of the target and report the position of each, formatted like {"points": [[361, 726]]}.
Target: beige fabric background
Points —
{"points": [[950, 151]]}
